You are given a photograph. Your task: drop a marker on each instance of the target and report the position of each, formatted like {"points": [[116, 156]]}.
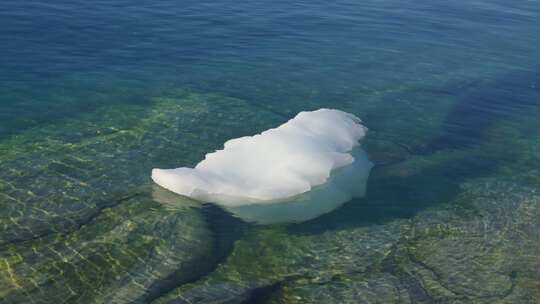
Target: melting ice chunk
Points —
{"points": [[344, 184], [281, 166]]}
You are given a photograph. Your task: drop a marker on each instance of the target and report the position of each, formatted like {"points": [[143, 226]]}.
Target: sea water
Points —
{"points": [[93, 95]]}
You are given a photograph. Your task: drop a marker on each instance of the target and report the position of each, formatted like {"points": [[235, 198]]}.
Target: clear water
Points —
{"points": [[95, 94]]}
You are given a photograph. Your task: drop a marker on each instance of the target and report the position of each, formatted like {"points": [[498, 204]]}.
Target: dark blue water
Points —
{"points": [[275, 53], [93, 94]]}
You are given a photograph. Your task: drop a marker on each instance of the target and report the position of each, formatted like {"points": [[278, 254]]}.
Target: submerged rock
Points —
{"points": [[125, 255], [77, 224], [77, 221], [272, 256], [479, 246], [58, 177]]}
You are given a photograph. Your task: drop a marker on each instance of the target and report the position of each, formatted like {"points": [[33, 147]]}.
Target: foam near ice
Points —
{"points": [[273, 166]]}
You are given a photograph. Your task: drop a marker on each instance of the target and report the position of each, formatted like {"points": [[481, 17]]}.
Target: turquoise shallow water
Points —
{"points": [[95, 95]]}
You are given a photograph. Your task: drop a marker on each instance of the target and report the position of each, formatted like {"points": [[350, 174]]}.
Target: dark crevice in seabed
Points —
{"points": [[225, 229], [399, 255], [481, 104], [263, 294], [72, 228], [465, 126], [405, 198]]}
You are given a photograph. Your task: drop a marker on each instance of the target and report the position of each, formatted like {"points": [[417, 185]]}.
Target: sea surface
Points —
{"points": [[94, 94]]}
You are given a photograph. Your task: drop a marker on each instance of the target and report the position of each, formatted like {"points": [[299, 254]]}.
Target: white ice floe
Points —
{"points": [[279, 167], [344, 184]]}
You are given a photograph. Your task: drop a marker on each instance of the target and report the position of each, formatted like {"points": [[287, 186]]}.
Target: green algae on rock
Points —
{"points": [[77, 221], [56, 177], [437, 256], [431, 254], [78, 224], [125, 255], [447, 251]]}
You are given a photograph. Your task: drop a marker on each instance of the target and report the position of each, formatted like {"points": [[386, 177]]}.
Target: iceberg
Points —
{"points": [[310, 164], [344, 184]]}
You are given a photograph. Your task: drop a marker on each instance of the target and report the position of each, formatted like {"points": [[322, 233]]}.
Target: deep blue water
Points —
{"points": [[275, 53], [93, 93]]}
